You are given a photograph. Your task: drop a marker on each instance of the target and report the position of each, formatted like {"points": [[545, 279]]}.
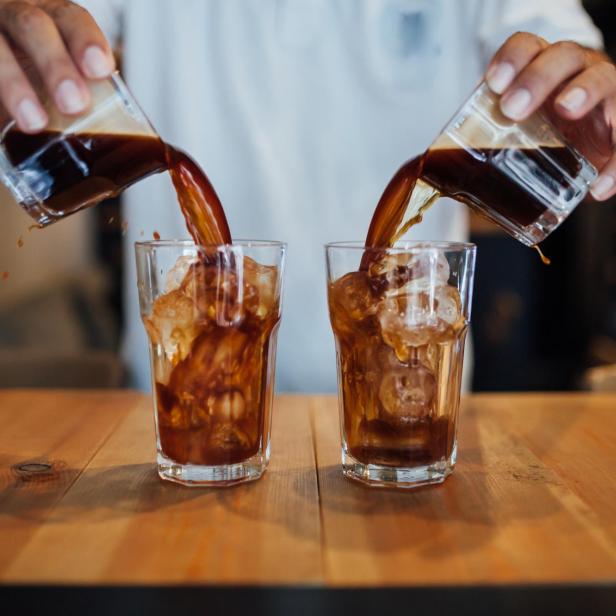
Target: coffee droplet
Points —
{"points": [[156, 235], [20, 242], [545, 260], [5, 275]]}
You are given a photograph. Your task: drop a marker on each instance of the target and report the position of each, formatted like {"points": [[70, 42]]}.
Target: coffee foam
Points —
{"points": [[110, 112], [480, 124], [109, 118]]}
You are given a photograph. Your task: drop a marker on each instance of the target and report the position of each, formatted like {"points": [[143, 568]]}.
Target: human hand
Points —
{"points": [[576, 87], [57, 43]]}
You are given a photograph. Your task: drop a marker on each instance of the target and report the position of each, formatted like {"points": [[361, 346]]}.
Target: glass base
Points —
{"points": [[380, 476], [195, 475], [532, 234], [541, 228], [39, 214]]}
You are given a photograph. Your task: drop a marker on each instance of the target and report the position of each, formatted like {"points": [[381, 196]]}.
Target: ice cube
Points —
{"points": [[260, 287], [172, 324], [448, 305], [199, 285], [389, 264], [215, 290], [199, 275], [227, 358], [177, 274], [407, 394], [405, 322], [216, 362], [389, 272], [227, 405], [351, 298], [416, 316], [431, 266], [226, 288]]}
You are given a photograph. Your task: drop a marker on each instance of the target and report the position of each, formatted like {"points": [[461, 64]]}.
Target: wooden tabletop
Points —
{"points": [[532, 501]]}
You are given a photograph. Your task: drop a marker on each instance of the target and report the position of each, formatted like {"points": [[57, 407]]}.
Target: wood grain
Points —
{"points": [[64, 429], [532, 500], [121, 523]]}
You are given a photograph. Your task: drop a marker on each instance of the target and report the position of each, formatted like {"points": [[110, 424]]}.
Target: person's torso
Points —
{"points": [[299, 111]]}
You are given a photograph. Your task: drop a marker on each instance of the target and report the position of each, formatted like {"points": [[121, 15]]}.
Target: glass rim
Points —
{"points": [[403, 246], [482, 88], [120, 90], [185, 243]]}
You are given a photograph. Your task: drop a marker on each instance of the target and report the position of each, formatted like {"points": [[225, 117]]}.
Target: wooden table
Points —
{"points": [[527, 521]]}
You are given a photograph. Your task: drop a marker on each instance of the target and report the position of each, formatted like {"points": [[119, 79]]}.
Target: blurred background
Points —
{"points": [[535, 327]]}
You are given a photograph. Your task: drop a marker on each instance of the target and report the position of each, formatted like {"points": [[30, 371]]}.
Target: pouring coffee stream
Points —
{"points": [[455, 173], [523, 176], [81, 169], [78, 170]]}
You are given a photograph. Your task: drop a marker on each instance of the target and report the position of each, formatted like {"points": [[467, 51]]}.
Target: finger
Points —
{"points": [[604, 186], [84, 39], [541, 77], [587, 90], [36, 34], [517, 52], [16, 93]]}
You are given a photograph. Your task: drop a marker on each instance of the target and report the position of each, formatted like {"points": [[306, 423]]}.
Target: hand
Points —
{"points": [[575, 85], [55, 42]]}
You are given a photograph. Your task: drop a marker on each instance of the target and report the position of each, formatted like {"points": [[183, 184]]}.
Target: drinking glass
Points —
{"points": [[79, 161], [399, 324], [523, 176], [212, 316]]}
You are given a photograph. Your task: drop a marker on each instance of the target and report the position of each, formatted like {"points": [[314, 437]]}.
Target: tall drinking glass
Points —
{"points": [[400, 326], [212, 317]]}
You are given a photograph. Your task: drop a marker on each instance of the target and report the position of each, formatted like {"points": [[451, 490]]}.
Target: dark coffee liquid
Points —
{"points": [[425, 441], [469, 178], [79, 170], [399, 385], [200, 205], [213, 409]]}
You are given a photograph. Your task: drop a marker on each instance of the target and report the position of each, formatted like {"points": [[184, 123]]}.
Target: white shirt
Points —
{"points": [[300, 111]]}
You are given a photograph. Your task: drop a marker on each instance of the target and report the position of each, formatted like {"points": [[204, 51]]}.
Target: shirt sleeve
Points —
{"points": [[553, 20], [108, 15]]}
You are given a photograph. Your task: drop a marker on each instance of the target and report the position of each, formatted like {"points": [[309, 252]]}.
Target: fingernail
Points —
{"points": [[96, 62], [30, 115], [500, 76], [573, 100], [69, 97], [514, 105], [602, 186]]}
